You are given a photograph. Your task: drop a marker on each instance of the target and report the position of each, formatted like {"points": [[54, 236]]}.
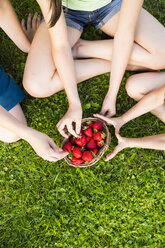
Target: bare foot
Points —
{"points": [[32, 25]]}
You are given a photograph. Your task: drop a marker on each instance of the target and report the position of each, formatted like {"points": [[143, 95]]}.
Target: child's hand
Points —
{"points": [[109, 107], [116, 122], [44, 146], [31, 26], [122, 143], [74, 114]]}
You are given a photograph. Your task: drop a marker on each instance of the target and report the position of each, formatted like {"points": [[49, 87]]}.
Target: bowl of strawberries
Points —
{"points": [[89, 147]]}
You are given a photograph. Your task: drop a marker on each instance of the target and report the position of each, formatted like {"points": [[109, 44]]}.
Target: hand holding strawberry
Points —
{"points": [[73, 115], [84, 148]]}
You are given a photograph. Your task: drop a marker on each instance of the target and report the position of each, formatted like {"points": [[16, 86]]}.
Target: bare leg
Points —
{"points": [[141, 84], [7, 136], [148, 51], [40, 69], [41, 78]]}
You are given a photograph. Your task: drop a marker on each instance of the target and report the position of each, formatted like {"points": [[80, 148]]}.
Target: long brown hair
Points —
{"points": [[55, 7]]}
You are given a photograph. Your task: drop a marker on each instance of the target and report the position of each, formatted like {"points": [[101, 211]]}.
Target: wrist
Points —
{"points": [[25, 132], [75, 104], [111, 96]]}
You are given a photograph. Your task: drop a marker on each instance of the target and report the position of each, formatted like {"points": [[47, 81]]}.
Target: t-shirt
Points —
{"points": [[85, 5]]}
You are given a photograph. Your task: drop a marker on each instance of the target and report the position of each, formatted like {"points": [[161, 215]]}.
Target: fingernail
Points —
{"points": [[60, 149]]}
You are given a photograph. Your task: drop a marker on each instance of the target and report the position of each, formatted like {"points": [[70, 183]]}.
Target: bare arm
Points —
{"points": [[149, 102], [11, 26], [63, 60], [123, 43], [156, 142], [41, 143]]}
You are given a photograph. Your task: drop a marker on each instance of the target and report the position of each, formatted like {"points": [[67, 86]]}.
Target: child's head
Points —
{"points": [[55, 7]]}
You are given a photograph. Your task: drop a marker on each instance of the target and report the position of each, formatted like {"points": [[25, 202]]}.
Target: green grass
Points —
{"points": [[117, 204]]}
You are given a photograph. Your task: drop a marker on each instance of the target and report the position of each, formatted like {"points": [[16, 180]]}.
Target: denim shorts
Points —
{"points": [[78, 19], [10, 93]]}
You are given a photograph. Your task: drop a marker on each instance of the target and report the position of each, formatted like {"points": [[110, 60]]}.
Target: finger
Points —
{"points": [[102, 117], [29, 21], [59, 124], [54, 146], [23, 25], [113, 153], [50, 159], [78, 127], [71, 130], [34, 21], [62, 132], [58, 155], [38, 20], [102, 112], [108, 114], [117, 129]]}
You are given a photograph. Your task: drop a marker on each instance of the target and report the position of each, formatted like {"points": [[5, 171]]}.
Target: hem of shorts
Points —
{"points": [[109, 16], [8, 107], [73, 24]]}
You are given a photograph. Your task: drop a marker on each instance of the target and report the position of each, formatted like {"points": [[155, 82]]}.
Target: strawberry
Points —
{"points": [[88, 139], [87, 156], [89, 123], [98, 125], [91, 144], [95, 151], [100, 143], [67, 146], [77, 160], [81, 141], [72, 140], [77, 153], [88, 131], [99, 136]]}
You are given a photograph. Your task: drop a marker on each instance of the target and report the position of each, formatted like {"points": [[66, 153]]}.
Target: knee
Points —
{"points": [[33, 87], [132, 87], [78, 49]]}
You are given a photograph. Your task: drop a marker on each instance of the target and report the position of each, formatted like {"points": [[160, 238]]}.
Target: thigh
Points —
{"points": [[8, 136], [149, 33], [39, 64]]}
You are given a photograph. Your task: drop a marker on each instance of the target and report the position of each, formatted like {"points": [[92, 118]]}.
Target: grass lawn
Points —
{"points": [[118, 204]]}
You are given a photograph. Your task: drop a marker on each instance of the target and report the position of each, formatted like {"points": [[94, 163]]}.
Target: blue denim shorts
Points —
{"points": [[78, 19], [10, 93]]}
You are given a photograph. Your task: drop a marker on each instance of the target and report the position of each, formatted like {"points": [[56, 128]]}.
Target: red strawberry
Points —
{"points": [[91, 144], [88, 131], [89, 123], [100, 143], [67, 146], [81, 141], [88, 139], [95, 151], [99, 136], [87, 156], [98, 125], [77, 153], [72, 140], [77, 160]]}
